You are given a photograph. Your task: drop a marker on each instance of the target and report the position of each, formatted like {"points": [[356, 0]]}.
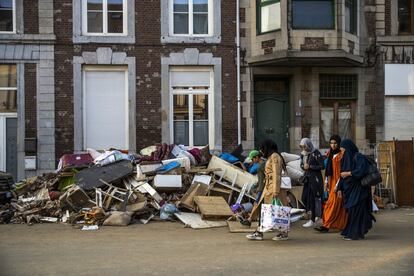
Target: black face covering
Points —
{"points": [[329, 169]]}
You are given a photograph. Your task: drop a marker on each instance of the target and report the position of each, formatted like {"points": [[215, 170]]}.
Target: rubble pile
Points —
{"points": [[114, 188]]}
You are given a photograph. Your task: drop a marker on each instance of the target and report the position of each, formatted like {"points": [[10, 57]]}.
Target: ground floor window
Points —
{"points": [[336, 117], [105, 107], [191, 106]]}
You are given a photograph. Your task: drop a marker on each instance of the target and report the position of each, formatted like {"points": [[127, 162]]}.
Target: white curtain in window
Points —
{"points": [[327, 120], [270, 17]]}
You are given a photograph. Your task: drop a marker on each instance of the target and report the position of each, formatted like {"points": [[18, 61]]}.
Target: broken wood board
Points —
{"points": [[196, 222], [237, 227], [231, 173], [196, 189], [213, 207]]}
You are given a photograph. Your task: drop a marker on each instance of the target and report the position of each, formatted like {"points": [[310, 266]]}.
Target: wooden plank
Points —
{"points": [[404, 152], [212, 206], [231, 172], [237, 227], [196, 189]]}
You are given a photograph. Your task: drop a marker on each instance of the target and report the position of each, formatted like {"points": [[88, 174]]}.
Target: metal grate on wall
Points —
{"points": [[338, 86]]}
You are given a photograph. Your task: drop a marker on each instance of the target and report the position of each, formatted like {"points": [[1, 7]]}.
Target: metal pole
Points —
{"points": [[238, 71]]}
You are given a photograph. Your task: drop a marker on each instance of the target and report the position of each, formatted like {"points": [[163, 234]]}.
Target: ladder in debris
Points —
{"points": [[244, 191], [384, 159]]}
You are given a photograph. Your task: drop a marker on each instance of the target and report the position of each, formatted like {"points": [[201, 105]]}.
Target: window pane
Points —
{"points": [[326, 125], [344, 121], [115, 5], [181, 107], [200, 5], [404, 16], [8, 76], [115, 22], [338, 86], [95, 5], [6, 4], [313, 14], [95, 22], [8, 101], [181, 133], [270, 17], [6, 20], [200, 23], [347, 18], [350, 16], [200, 133], [180, 5], [180, 23], [200, 108]]}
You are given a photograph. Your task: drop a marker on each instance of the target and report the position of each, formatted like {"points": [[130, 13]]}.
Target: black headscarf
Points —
{"points": [[268, 147], [329, 169], [348, 159]]}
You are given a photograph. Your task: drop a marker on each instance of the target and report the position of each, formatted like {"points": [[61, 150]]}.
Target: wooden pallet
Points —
{"points": [[212, 207]]}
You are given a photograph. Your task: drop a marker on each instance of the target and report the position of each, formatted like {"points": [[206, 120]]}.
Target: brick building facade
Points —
{"points": [[318, 62], [129, 74], [27, 87]]}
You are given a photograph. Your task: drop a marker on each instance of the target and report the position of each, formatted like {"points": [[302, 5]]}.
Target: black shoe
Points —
{"points": [[245, 222], [322, 229]]}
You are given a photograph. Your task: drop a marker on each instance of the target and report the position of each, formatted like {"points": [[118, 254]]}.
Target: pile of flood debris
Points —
{"points": [[114, 188]]}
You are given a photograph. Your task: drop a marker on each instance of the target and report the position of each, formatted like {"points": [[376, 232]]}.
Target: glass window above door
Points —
{"points": [[8, 88]]}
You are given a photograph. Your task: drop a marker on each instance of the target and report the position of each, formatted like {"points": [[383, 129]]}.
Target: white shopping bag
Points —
{"points": [[274, 217]]}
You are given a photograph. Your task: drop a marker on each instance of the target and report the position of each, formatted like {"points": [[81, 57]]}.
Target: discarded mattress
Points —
{"points": [[89, 179]]}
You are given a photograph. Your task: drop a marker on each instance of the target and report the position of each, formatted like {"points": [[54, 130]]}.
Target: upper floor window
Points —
{"points": [[351, 16], [268, 15], [308, 14], [7, 16], [405, 18], [104, 17], [191, 17]]}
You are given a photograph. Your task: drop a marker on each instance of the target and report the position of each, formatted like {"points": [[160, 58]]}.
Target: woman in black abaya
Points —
{"points": [[357, 199]]}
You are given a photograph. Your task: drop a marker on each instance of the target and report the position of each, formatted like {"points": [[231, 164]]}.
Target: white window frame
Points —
{"points": [[190, 92], [14, 20], [105, 19], [104, 69], [190, 20]]}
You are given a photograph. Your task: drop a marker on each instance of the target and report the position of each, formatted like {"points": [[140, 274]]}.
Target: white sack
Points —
{"points": [[289, 157]]}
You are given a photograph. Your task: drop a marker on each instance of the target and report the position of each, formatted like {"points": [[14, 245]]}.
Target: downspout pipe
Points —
{"points": [[238, 71]]}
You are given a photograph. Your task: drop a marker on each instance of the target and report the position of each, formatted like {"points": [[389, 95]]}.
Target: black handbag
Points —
{"points": [[373, 176]]}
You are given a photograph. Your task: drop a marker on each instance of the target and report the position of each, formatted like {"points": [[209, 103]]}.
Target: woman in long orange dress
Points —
{"points": [[334, 214]]}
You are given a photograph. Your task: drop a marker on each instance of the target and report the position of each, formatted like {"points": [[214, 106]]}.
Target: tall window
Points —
{"points": [[308, 14], [405, 18], [268, 15], [190, 17], [8, 88], [104, 17], [338, 95], [7, 16], [351, 16], [191, 99]]}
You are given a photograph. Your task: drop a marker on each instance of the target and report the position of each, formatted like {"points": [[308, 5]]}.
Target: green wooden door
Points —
{"points": [[271, 113]]}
